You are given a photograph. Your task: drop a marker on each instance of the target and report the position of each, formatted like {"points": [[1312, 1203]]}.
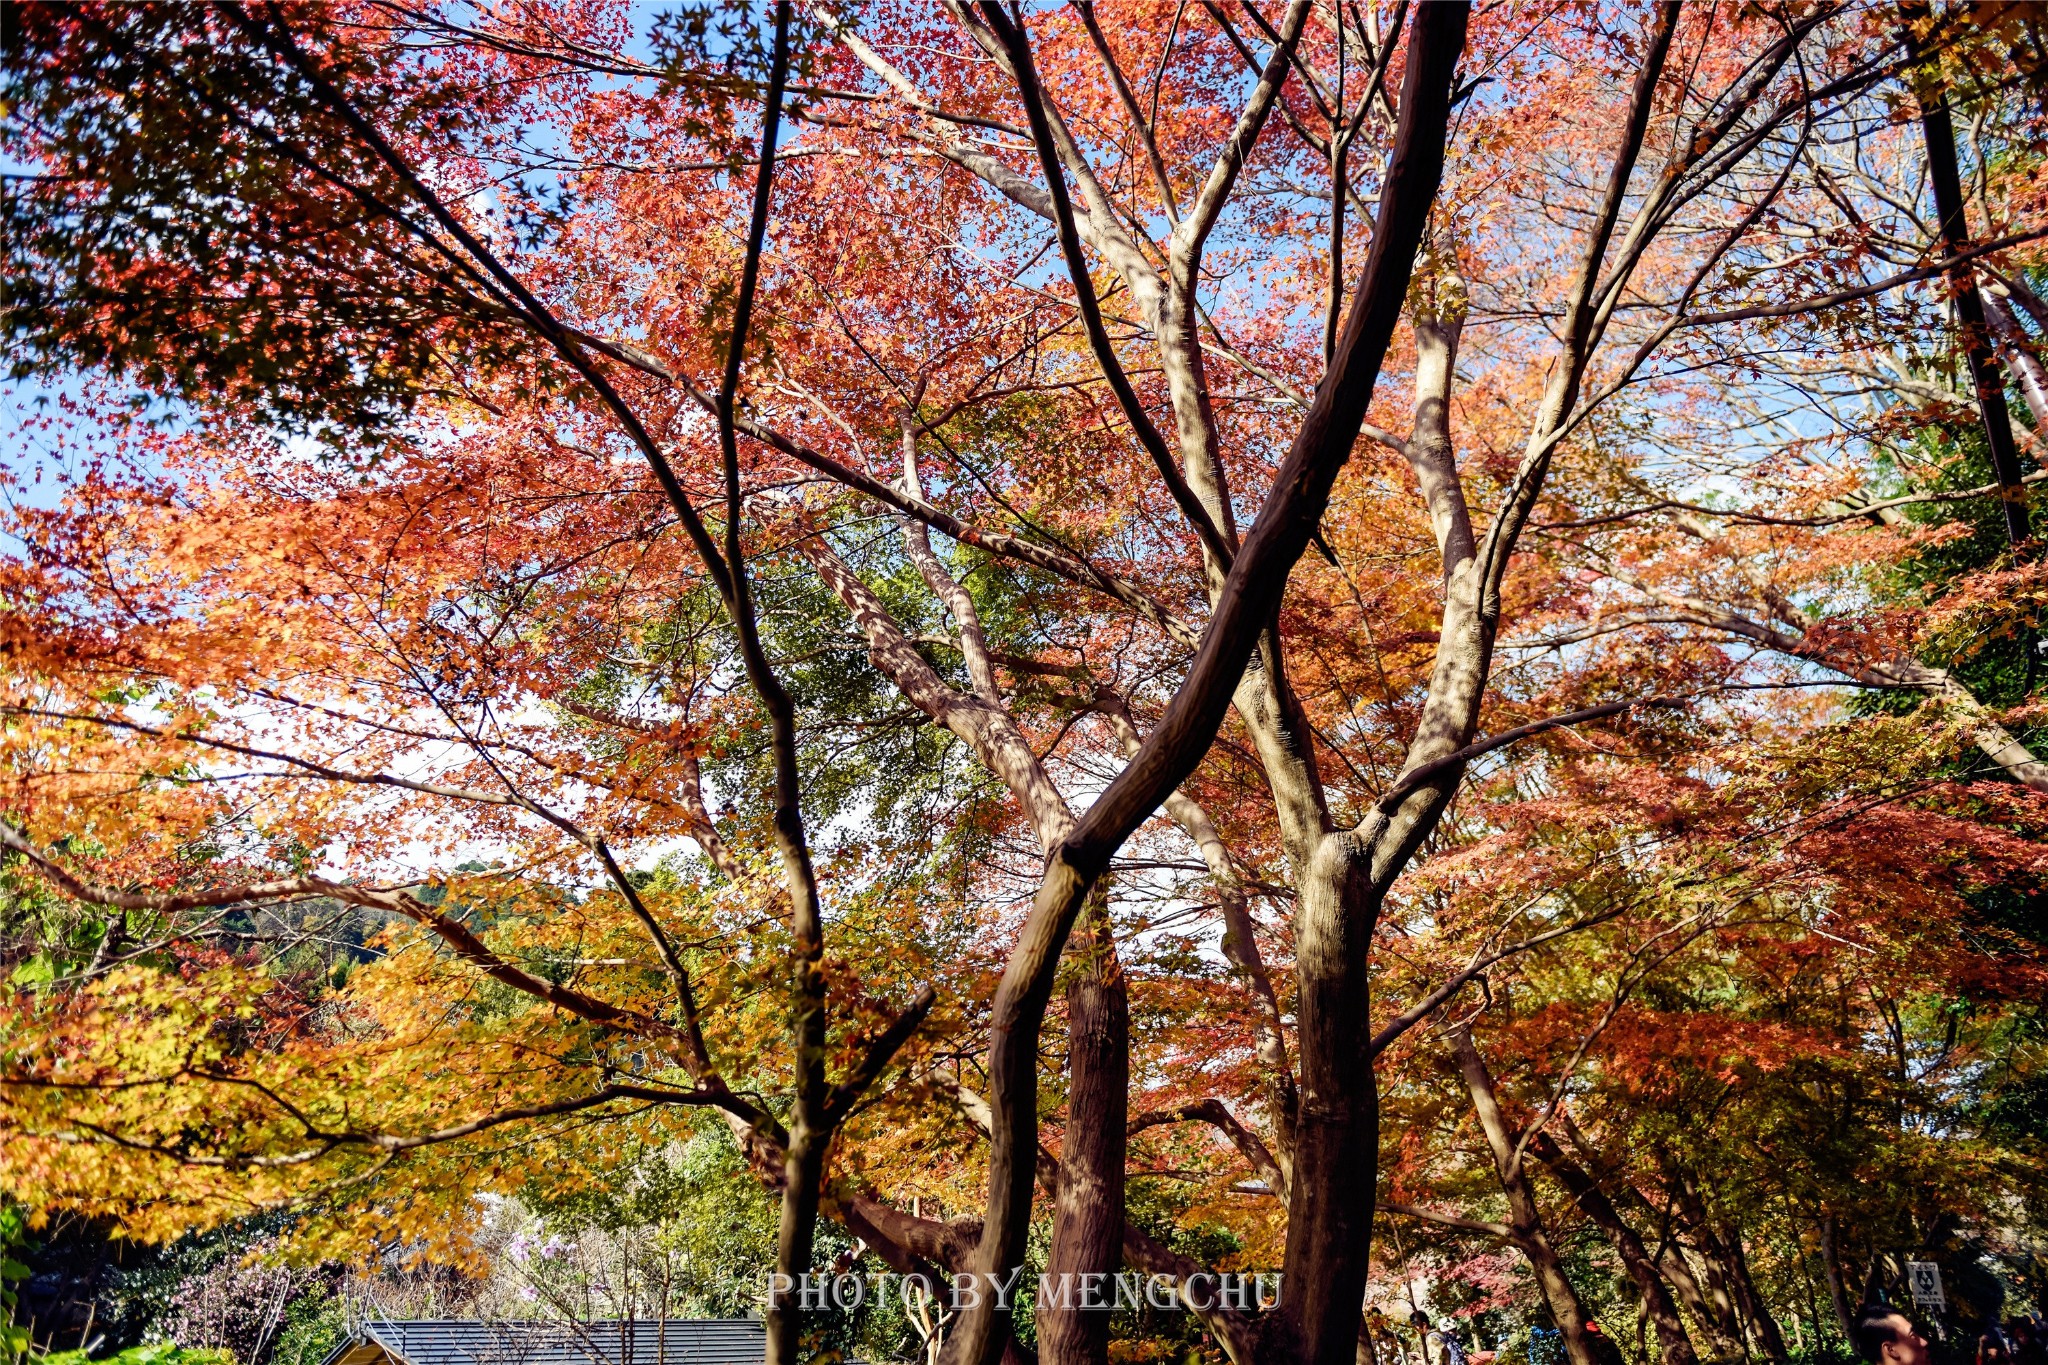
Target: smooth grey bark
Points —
{"points": [[987, 728], [2026, 367], [1341, 880], [1343, 874], [1243, 603], [1291, 514]]}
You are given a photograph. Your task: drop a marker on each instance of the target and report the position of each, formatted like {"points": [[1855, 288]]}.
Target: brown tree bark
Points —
{"points": [[1669, 1259], [1831, 1262], [1524, 1222], [1336, 1130], [1672, 1342], [1944, 176], [1088, 1209], [1244, 610], [1678, 1273], [1738, 1306], [1720, 1305], [1342, 876], [1750, 1299]]}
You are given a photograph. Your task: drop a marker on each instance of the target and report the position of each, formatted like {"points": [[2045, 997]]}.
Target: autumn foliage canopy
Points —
{"points": [[1302, 637]]}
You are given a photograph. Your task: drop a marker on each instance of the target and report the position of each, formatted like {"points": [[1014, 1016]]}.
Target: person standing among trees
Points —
{"points": [[1883, 1335], [1386, 1342], [2027, 1346], [1438, 1347], [1605, 1349]]}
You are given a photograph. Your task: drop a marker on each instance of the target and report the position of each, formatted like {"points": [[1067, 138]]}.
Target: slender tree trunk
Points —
{"points": [[1658, 1306], [1342, 879], [1721, 1301], [1088, 1217], [2026, 367], [803, 1171], [801, 1177], [1831, 1262], [1529, 1234], [810, 1133], [1874, 1282], [1810, 1308], [1669, 1259], [1678, 1273], [1719, 1297], [1751, 1300], [1945, 177]]}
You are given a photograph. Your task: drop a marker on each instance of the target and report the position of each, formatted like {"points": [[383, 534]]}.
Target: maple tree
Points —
{"points": [[1706, 1071], [740, 561]]}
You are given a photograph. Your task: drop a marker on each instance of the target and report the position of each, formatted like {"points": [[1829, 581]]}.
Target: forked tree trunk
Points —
{"points": [[1244, 610], [1343, 876], [1658, 1305], [1088, 1216], [1524, 1221]]}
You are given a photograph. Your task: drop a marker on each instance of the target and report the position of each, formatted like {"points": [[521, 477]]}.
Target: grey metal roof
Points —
{"points": [[648, 1341]]}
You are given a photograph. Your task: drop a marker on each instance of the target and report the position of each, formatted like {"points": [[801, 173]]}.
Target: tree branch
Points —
{"points": [[1018, 45], [878, 1056], [1215, 1113], [1500, 1230]]}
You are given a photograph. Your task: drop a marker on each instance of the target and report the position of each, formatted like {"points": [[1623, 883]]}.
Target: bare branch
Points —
{"points": [[1217, 1114], [1500, 1230]]}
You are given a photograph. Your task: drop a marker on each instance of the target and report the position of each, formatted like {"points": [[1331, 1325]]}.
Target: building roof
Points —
{"points": [[647, 1341]]}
